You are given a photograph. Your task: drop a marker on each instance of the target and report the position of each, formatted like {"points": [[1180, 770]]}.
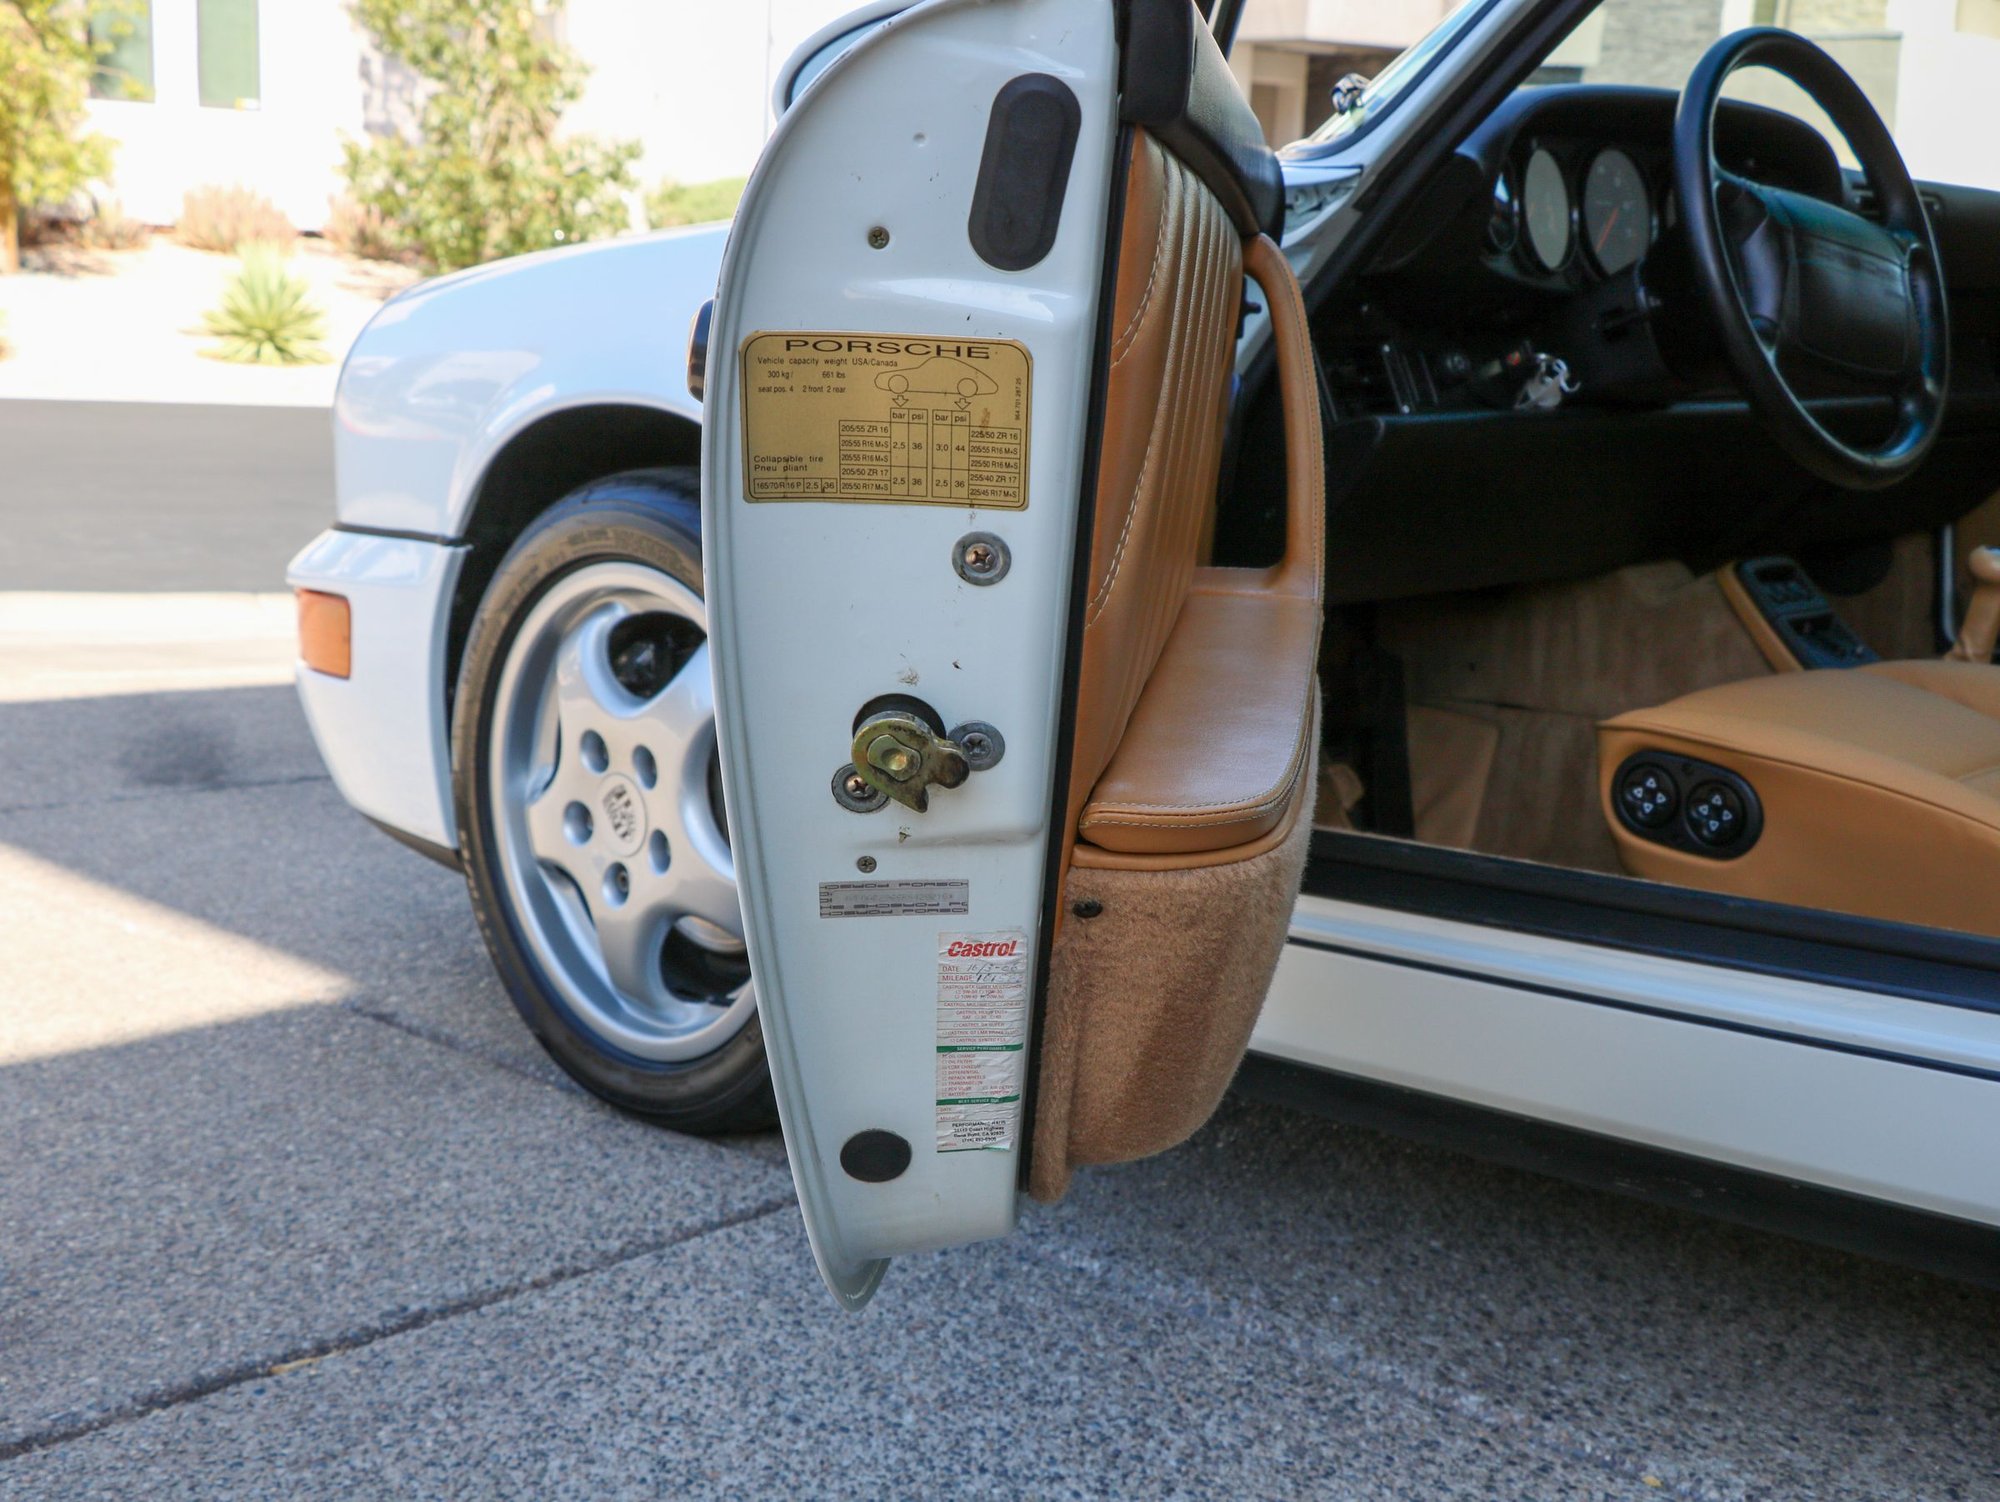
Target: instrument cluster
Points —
{"points": [[1558, 210]]}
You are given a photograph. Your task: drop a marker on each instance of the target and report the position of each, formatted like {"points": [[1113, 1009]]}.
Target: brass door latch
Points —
{"points": [[900, 756], [900, 750]]}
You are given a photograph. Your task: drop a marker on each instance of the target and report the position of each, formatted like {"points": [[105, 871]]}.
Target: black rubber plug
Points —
{"points": [[875, 1157]]}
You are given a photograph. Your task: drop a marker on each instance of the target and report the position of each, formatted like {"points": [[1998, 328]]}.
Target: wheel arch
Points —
{"points": [[547, 460]]}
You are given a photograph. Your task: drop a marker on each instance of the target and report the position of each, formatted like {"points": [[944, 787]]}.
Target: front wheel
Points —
{"points": [[590, 807]]}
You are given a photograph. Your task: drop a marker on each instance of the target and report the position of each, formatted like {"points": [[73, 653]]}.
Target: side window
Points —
{"points": [[226, 33], [124, 33]]}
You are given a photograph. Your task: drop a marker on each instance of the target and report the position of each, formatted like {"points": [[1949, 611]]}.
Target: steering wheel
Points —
{"points": [[1799, 287]]}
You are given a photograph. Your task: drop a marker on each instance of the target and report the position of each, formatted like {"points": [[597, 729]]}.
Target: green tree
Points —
{"points": [[488, 175], [46, 58], [673, 204]]}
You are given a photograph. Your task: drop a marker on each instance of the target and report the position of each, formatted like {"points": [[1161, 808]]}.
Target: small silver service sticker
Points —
{"points": [[893, 899]]}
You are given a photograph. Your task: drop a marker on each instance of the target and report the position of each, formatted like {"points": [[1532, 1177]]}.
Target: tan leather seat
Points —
{"points": [[1187, 811], [1880, 789], [1197, 684], [1219, 749]]}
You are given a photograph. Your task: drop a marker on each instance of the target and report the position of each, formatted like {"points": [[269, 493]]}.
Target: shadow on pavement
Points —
{"points": [[180, 1211]]}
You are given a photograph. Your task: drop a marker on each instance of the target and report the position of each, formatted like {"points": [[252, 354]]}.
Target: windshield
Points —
{"points": [[1390, 84], [1929, 71]]}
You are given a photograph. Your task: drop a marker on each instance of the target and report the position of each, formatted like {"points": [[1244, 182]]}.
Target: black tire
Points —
{"points": [[651, 517]]}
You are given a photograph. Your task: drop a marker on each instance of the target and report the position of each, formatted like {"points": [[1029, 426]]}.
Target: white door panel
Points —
{"points": [[1882, 1096], [856, 221]]}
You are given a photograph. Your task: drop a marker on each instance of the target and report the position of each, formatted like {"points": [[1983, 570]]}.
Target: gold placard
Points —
{"points": [[888, 419]]}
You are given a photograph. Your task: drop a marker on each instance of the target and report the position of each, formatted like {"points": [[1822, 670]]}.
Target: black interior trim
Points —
{"points": [[1175, 83], [1521, 498], [1398, 179], [430, 537], [1945, 1245], [1223, 16], [1017, 201], [1588, 907]]}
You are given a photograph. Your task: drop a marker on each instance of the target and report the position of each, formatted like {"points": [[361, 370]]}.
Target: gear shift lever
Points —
{"points": [[1976, 634]]}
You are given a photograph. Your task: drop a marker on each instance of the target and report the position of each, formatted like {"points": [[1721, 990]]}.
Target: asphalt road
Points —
{"points": [[131, 496], [292, 1206]]}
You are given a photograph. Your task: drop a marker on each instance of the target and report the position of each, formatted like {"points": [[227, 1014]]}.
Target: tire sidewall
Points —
{"points": [[651, 518]]}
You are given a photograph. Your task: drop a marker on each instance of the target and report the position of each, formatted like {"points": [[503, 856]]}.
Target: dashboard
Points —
{"points": [[1528, 240], [1551, 234], [1579, 180], [1598, 211]]}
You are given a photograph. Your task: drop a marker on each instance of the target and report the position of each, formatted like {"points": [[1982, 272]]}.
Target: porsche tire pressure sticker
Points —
{"points": [[982, 1030], [888, 419]]}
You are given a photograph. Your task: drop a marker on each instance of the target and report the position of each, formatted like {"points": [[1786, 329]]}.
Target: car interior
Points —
{"points": [[1662, 448], [1609, 511]]}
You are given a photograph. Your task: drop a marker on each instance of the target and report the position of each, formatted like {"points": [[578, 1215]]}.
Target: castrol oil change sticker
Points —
{"points": [[982, 1030], [885, 419]]}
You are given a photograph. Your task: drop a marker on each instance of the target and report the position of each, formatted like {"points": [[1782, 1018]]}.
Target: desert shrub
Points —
{"points": [[227, 219], [673, 203], [109, 227], [121, 233], [82, 222], [488, 174], [358, 229], [267, 315], [51, 224]]}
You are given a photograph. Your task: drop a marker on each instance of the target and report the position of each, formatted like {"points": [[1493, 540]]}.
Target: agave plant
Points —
{"points": [[267, 316]]}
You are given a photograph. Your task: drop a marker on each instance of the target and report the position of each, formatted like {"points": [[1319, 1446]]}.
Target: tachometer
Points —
{"points": [[1545, 209], [1617, 211]]}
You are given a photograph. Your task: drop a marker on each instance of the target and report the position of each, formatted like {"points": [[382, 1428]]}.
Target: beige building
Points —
{"points": [[1290, 53], [263, 92]]}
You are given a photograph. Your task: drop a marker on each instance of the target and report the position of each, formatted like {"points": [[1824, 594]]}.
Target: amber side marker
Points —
{"points": [[326, 632]]}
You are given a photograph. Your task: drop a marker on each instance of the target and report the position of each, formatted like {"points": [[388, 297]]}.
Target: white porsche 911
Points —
{"points": [[1484, 610]]}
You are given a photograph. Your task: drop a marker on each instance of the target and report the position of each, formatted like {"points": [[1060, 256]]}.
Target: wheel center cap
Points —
{"points": [[624, 815]]}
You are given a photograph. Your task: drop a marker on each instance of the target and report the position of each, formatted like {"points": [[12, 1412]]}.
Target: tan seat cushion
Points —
{"points": [[1880, 788], [1975, 685], [1219, 749]]}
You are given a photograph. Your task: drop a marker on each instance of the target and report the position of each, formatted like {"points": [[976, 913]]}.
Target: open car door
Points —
{"points": [[1018, 786]]}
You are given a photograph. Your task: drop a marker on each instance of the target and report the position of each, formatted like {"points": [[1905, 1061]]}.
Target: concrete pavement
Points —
{"points": [[155, 496], [291, 1205]]}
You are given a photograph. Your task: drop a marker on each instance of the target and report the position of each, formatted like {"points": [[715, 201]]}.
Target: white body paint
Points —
{"points": [[829, 605]]}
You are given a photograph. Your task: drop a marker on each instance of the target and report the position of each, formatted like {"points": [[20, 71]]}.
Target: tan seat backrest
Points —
{"points": [[1173, 330]]}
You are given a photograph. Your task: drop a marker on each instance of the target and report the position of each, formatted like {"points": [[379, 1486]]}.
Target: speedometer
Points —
{"points": [[1617, 211], [1545, 210]]}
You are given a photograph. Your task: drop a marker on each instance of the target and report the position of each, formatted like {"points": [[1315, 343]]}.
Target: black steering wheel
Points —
{"points": [[1802, 288]]}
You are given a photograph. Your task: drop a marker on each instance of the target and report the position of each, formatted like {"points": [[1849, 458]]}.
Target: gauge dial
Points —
{"points": [[1617, 212], [1545, 208]]}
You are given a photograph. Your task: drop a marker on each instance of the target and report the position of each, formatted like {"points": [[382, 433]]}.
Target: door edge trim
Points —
{"points": [[1627, 914]]}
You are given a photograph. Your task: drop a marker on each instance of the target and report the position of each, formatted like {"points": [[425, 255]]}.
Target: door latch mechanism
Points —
{"points": [[902, 757], [901, 751]]}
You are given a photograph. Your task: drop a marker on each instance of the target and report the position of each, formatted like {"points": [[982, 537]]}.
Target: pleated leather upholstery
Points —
{"points": [[1180, 288]]}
